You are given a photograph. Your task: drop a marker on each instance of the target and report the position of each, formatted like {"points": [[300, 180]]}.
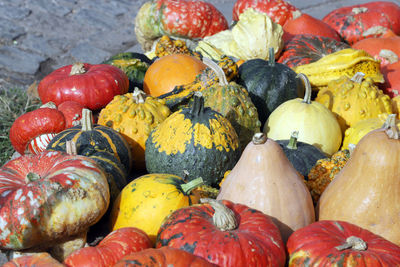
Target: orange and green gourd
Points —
{"points": [[134, 116]]}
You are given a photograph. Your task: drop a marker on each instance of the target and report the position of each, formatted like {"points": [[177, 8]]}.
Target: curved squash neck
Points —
{"points": [[307, 85]]}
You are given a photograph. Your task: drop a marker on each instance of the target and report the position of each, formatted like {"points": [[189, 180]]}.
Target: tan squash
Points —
{"points": [[264, 179], [366, 192]]}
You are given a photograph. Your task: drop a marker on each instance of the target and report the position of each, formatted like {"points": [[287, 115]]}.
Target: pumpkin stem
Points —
{"points": [[224, 218], [271, 58], [138, 96], [198, 103], [49, 105], [307, 84], [70, 147], [77, 68], [358, 77], [353, 242], [31, 177], [259, 138], [217, 70], [87, 120], [293, 140], [390, 127], [189, 186]]}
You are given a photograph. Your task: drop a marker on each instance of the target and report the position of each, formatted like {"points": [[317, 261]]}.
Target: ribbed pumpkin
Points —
{"points": [[134, 116], [133, 64], [147, 200], [42, 259], [354, 99], [196, 139], [303, 156], [269, 84], [264, 179], [316, 124], [365, 192]]}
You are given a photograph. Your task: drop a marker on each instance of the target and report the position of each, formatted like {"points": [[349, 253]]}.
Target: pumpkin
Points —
{"points": [[187, 19], [224, 233], [93, 137], [269, 84], [167, 45], [49, 196], [91, 85], [316, 124], [366, 20], [197, 139], [134, 65], [391, 72], [368, 184], [385, 49], [334, 243], [345, 62], [306, 24], [72, 112], [147, 200], [280, 11], [134, 116], [163, 257], [169, 71], [42, 259], [307, 48], [264, 179], [303, 156], [33, 130], [354, 99], [324, 171], [111, 249]]}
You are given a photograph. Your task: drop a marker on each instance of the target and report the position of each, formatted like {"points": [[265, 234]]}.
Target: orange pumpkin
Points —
{"points": [[169, 71]]}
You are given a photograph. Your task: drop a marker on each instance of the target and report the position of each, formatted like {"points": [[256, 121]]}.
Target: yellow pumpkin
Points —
{"points": [[345, 62], [147, 200], [134, 116], [354, 99], [316, 124]]}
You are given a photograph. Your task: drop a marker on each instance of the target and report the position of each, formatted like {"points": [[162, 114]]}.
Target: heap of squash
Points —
{"points": [[270, 143]]}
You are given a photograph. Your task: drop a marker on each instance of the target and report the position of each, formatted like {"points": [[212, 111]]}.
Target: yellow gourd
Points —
{"points": [[345, 62], [147, 200], [354, 99], [316, 124], [134, 116]]}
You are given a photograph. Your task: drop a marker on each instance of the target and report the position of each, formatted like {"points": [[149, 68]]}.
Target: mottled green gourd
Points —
{"points": [[196, 139]]}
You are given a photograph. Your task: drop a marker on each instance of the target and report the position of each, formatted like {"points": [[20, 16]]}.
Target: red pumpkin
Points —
{"points": [[306, 24], [111, 249], [338, 243], [385, 49], [163, 257], [279, 11], [225, 234], [49, 196], [357, 22], [307, 48], [36, 260], [94, 86], [391, 73], [32, 131], [72, 111]]}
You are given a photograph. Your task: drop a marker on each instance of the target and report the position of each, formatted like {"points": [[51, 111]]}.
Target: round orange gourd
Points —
{"points": [[171, 70]]}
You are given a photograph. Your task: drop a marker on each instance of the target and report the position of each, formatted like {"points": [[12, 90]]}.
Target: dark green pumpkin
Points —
{"points": [[133, 64], [195, 139], [303, 156], [269, 84]]}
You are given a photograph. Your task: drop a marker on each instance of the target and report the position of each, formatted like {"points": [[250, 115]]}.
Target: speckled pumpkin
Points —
{"points": [[134, 116], [196, 139], [354, 99], [147, 200]]}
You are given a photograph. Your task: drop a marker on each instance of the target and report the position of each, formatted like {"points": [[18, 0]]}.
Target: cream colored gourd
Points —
{"points": [[366, 192], [317, 125], [264, 179]]}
